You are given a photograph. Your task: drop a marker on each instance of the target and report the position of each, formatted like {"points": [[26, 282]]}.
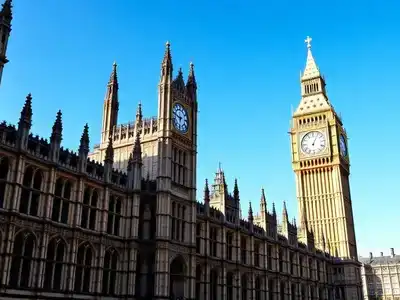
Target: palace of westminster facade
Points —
{"points": [[122, 222]]}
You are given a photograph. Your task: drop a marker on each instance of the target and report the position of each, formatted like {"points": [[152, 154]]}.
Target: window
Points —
{"points": [[311, 268], [243, 250], [31, 185], [22, 259], [271, 288], [282, 290], [293, 292], [214, 285], [198, 237], [229, 286], [4, 168], [281, 259], [257, 254], [89, 208], [244, 285], [301, 266], [62, 196], [257, 285], [179, 169], [55, 264], [291, 262], [199, 283], [83, 269], [269, 257], [229, 245], [178, 222], [213, 241], [114, 215], [110, 272]]}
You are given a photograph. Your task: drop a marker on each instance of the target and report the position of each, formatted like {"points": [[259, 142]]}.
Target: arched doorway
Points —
{"points": [[177, 278]]}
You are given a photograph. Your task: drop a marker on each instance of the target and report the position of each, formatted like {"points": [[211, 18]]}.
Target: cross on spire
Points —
{"points": [[308, 41]]}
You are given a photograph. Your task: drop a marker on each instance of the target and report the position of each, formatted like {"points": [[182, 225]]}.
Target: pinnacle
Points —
{"points": [[84, 145], [57, 127], [26, 113]]}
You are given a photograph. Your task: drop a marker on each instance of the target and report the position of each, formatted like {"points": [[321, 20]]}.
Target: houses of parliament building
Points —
{"points": [[122, 221]]}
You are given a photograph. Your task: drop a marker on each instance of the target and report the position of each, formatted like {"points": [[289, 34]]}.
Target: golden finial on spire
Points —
{"points": [[308, 41]]}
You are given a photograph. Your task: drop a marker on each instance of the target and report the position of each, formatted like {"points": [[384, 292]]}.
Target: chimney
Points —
{"points": [[382, 254], [371, 256], [392, 252]]}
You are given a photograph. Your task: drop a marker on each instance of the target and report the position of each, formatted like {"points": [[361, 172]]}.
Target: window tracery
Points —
{"points": [[178, 222], [110, 272], [83, 269], [114, 215], [61, 200], [22, 259], [55, 265], [4, 170], [31, 189], [89, 208]]}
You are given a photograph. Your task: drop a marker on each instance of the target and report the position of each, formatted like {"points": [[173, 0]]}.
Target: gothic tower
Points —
{"points": [[110, 106], [176, 182], [320, 160], [5, 29]]}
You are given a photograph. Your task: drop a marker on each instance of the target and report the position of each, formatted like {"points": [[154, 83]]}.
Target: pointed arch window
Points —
{"points": [[179, 166], [114, 215], [110, 272], [199, 283], [55, 265], [178, 222], [214, 285], [4, 170], [22, 259], [61, 200], [83, 269], [89, 208], [31, 189], [258, 285], [244, 285], [229, 286]]}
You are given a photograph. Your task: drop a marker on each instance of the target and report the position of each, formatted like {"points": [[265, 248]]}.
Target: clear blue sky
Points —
{"points": [[247, 56]]}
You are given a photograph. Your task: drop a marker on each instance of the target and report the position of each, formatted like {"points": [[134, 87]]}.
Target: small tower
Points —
{"points": [[25, 123], [5, 30], [111, 106], [84, 149], [109, 161], [56, 138], [219, 191], [135, 166]]}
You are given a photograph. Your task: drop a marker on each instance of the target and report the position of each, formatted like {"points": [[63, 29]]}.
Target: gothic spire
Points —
{"points": [[109, 151], [84, 144], [179, 82], [311, 70], [191, 81], [273, 209], [250, 218], [236, 195], [284, 212], [137, 151], [26, 112], [113, 76], [263, 201], [206, 193], [57, 127], [166, 67], [139, 114], [6, 10]]}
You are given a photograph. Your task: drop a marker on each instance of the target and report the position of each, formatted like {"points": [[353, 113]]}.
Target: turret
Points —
{"points": [[5, 30], [108, 161], [84, 149], [56, 138], [251, 219], [110, 106], [135, 166], [191, 85], [25, 123]]}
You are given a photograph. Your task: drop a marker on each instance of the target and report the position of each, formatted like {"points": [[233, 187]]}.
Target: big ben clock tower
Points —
{"points": [[321, 163]]}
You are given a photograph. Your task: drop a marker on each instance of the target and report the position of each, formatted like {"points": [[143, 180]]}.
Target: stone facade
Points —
{"points": [[381, 276], [123, 221]]}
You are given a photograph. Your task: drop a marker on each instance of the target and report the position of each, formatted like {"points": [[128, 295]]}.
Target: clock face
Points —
{"points": [[180, 118], [342, 146], [313, 142]]}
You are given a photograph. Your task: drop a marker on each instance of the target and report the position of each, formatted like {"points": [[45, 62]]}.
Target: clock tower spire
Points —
{"points": [[321, 163]]}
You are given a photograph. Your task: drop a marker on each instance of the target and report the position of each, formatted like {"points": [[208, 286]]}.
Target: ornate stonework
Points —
{"points": [[123, 222]]}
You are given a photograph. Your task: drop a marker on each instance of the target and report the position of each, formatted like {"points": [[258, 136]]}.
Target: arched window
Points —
{"points": [[244, 283], [114, 215], [110, 272], [258, 288], [30, 195], [89, 208], [229, 286], [62, 196], [4, 168], [22, 259], [55, 265], [214, 285], [83, 269]]}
